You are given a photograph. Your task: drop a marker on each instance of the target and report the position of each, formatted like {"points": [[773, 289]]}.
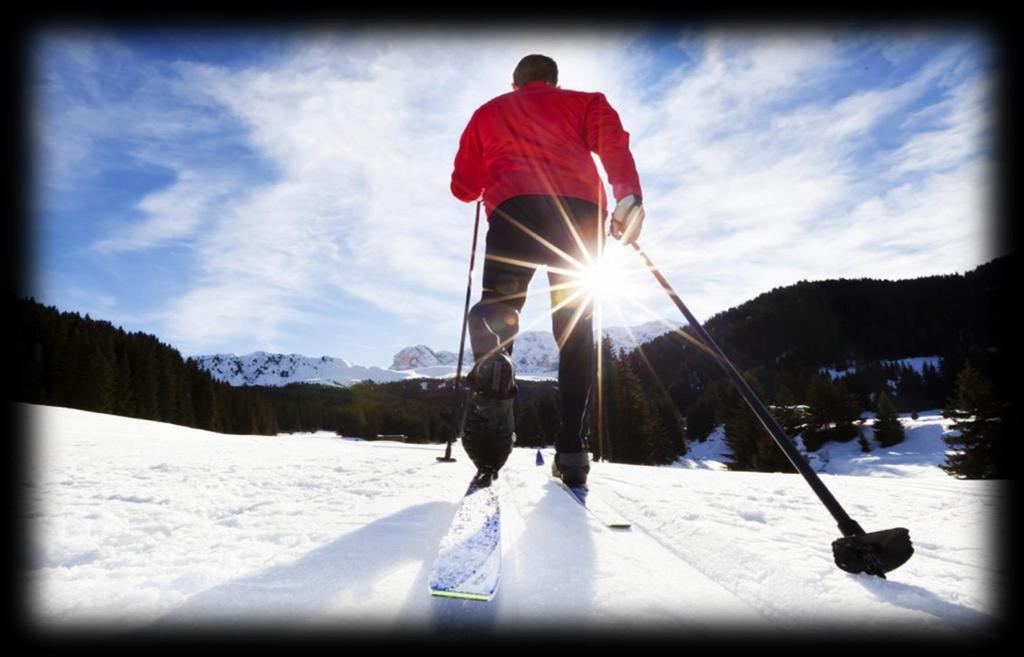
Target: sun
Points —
{"points": [[608, 278]]}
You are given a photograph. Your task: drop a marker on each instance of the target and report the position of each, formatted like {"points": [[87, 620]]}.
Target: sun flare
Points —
{"points": [[607, 279]]}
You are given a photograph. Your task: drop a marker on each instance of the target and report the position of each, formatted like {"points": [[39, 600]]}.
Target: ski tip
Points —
{"points": [[580, 492], [460, 595]]}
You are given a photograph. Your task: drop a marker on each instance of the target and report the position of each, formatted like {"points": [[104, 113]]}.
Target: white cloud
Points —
{"points": [[170, 214], [753, 177], [362, 134], [765, 183], [209, 314], [965, 118]]}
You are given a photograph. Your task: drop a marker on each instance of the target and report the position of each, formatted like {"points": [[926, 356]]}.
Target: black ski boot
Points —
{"points": [[489, 431], [483, 478], [572, 468]]}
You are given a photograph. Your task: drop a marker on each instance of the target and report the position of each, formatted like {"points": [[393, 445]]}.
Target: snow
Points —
{"points": [[918, 456], [916, 363], [138, 525]]}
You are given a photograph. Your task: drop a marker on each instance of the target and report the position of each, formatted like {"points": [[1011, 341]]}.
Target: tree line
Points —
{"points": [[65, 359], [655, 400]]}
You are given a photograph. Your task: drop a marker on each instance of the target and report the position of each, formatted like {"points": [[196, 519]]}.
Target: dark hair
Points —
{"points": [[533, 68]]}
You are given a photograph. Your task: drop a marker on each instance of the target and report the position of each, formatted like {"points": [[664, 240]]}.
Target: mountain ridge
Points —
{"points": [[535, 355]]}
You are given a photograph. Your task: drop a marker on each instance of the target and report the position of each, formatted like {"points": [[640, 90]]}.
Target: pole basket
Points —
{"points": [[875, 553]]}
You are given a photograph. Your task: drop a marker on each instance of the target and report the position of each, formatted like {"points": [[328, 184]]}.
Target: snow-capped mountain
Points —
{"points": [[263, 369], [632, 337], [535, 355], [420, 356], [535, 352]]}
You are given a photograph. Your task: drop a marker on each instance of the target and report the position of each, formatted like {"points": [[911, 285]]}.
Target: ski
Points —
{"points": [[595, 505], [468, 562]]}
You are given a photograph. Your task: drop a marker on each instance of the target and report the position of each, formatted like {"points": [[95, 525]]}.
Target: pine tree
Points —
{"points": [[910, 390], [610, 425], [933, 386], [700, 422], [819, 400], [203, 400], [978, 434], [102, 387], [743, 431], [888, 428], [630, 439], [786, 411], [833, 414], [529, 432], [665, 442], [550, 417]]}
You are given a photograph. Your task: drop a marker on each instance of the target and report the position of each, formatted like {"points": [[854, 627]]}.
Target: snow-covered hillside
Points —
{"points": [[916, 363], [142, 525], [535, 354], [918, 456]]}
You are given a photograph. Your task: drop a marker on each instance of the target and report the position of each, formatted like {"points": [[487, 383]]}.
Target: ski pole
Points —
{"points": [[447, 458], [875, 553]]}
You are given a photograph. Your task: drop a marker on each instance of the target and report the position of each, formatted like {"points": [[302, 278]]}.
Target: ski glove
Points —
{"points": [[627, 219]]}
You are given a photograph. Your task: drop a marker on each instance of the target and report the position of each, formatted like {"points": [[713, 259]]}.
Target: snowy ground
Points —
{"points": [[138, 525], [918, 456]]}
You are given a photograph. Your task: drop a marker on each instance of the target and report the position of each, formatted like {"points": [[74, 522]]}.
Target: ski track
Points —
{"points": [[137, 524], [760, 580], [676, 597]]}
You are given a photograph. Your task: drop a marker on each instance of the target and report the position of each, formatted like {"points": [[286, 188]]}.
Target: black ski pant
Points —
{"points": [[524, 233]]}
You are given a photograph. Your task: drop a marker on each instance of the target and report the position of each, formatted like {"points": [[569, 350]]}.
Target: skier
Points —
{"points": [[527, 155]]}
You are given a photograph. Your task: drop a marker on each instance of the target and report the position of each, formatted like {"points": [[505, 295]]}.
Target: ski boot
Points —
{"points": [[572, 468], [489, 430], [483, 478]]}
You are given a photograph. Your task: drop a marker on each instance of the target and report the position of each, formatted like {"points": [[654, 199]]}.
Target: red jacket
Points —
{"points": [[538, 140]]}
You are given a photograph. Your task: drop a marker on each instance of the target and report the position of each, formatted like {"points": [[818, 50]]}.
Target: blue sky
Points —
{"points": [[235, 191]]}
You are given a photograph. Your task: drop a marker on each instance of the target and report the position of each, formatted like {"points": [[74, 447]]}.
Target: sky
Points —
{"points": [[255, 189]]}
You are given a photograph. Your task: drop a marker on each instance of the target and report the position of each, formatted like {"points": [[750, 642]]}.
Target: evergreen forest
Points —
{"points": [[820, 354]]}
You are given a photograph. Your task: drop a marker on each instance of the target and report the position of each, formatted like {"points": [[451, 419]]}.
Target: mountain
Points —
{"points": [[264, 369], [858, 328], [535, 355], [840, 321], [313, 531], [632, 337], [420, 356]]}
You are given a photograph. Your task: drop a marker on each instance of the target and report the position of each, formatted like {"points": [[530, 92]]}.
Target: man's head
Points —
{"points": [[533, 68]]}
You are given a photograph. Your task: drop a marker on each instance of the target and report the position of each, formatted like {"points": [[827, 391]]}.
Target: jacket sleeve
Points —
{"points": [[607, 138], [468, 176]]}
